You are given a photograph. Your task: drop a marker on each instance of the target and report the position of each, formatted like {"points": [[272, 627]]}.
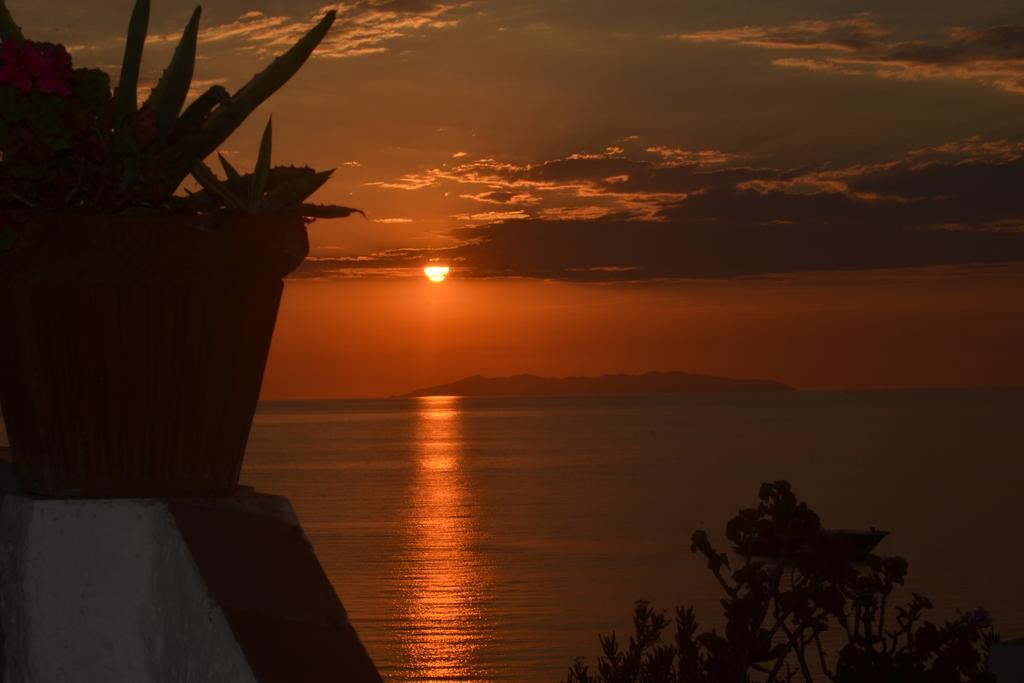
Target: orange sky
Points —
{"points": [[825, 194], [384, 337]]}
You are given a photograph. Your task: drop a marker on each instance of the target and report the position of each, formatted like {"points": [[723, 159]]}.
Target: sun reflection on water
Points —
{"points": [[445, 575]]}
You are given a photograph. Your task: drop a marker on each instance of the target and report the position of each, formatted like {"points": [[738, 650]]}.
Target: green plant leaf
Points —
{"points": [[225, 120], [212, 184], [168, 97], [127, 151], [127, 88], [262, 171], [235, 180], [8, 238], [8, 29], [194, 201], [293, 192], [92, 89], [192, 118], [282, 174]]}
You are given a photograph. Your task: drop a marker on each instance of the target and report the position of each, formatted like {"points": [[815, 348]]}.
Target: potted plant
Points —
{"points": [[134, 322]]}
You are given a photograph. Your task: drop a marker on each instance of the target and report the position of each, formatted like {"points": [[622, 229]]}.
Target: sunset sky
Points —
{"points": [[829, 194]]}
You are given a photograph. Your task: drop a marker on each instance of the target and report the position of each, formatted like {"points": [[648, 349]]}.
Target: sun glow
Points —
{"points": [[436, 273]]}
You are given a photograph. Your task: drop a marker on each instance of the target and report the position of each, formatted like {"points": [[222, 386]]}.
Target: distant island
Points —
{"points": [[648, 383]]}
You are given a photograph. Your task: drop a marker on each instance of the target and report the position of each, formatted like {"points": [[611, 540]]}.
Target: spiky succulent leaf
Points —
{"points": [[196, 113], [327, 211], [201, 201], [279, 175], [127, 89], [168, 97], [126, 150], [213, 186], [8, 238], [226, 119], [8, 29], [262, 171], [238, 184], [269, 189], [293, 192]]}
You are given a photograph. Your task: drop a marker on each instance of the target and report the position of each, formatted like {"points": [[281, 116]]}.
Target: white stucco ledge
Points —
{"points": [[168, 590]]}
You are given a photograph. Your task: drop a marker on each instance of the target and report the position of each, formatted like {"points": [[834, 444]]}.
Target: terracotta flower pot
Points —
{"points": [[132, 348]]}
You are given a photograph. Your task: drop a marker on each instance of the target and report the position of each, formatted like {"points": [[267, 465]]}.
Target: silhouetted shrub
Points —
{"points": [[777, 609]]}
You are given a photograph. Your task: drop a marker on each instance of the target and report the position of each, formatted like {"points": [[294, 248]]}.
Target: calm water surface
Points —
{"points": [[493, 538]]}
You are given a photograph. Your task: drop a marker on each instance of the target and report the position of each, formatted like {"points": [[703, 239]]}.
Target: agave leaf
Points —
{"points": [[8, 29], [225, 120], [169, 95], [229, 169], [293, 192], [8, 238], [126, 149], [328, 211], [194, 201], [262, 171], [279, 175], [213, 185], [192, 118], [235, 179], [127, 89]]}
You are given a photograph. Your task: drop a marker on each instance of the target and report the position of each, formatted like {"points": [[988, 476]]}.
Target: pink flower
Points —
{"points": [[55, 73], [16, 65], [28, 65]]}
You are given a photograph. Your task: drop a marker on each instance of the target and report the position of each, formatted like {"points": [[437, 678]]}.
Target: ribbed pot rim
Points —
{"points": [[50, 243]]}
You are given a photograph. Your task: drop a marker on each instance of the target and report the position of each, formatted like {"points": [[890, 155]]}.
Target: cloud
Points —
{"points": [[675, 156], [362, 28], [846, 35], [502, 197], [563, 213], [859, 45], [490, 216], [196, 88], [953, 204], [612, 181], [822, 65], [249, 26], [601, 251]]}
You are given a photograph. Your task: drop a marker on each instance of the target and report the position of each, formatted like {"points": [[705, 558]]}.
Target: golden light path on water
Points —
{"points": [[446, 577]]}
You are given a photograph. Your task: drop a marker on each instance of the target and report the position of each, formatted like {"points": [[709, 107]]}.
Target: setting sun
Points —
{"points": [[436, 273], [708, 258]]}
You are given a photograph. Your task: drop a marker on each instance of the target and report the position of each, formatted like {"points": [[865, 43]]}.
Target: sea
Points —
{"points": [[493, 539]]}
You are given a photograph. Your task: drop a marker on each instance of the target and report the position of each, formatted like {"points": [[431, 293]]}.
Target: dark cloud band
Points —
{"points": [[860, 45], [641, 250], [954, 204]]}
